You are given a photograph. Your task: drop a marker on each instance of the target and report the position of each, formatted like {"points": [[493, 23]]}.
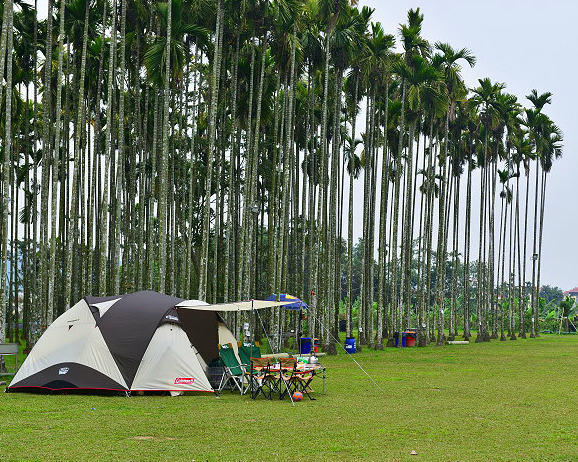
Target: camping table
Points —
{"points": [[316, 370], [9, 349]]}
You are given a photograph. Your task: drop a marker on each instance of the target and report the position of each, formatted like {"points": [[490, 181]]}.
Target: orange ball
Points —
{"points": [[297, 396]]}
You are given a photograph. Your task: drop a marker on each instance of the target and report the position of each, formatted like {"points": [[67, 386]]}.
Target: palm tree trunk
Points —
{"points": [[361, 317], [453, 308], [491, 280], [121, 184], [393, 244], [541, 229], [8, 34], [407, 225], [535, 332], [502, 254], [216, 71], [349, 311], [56, 155], [34, 311], [46, 162], [524, 261], [333, 303], [103, 225], [230, 192], [164, 160], [480, 278], [73, 223], [251, 196]]}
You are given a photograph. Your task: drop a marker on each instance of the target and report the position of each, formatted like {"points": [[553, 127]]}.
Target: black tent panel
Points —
{"points": [[171, 317], [67, 376], [203, 331], [129, 325]]}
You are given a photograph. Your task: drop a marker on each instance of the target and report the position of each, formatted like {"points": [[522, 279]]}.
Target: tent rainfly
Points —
{"points": [[133, 342]]}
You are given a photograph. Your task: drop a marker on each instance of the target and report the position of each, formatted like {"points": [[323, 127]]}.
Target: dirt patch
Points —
{"points": [[152, 438]]}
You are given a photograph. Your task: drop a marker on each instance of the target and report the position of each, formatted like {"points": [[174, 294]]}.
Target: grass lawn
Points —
{"points": [[500, 401]]}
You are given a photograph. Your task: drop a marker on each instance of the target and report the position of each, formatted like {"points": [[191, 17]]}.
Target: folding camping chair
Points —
{"points": [[287, 367], [261, 379], [295, 379], [234, 372], [248, 350]]}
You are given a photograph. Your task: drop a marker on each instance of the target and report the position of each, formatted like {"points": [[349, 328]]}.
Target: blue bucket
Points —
{"points": [[403, 339], [305, 345], [350, 345]]}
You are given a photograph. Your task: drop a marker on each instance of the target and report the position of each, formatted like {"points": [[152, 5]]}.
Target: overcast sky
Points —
{"points": [[525, 44]]}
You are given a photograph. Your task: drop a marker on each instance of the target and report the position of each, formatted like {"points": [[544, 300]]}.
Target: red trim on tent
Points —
{"points": [[204, 391], [75, 388], [108, 389]]}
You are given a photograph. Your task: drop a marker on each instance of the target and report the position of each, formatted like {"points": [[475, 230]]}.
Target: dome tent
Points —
{"points": [[133, 342]]}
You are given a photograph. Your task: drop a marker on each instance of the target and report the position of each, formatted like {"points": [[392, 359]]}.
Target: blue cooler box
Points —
{"points": [[304, 345]]}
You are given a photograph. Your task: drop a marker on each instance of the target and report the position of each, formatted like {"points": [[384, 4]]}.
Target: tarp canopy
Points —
{"points": [[293, 302], [246, 305]]}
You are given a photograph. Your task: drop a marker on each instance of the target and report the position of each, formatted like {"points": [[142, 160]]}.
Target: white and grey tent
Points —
{"points": [[133, 342]]}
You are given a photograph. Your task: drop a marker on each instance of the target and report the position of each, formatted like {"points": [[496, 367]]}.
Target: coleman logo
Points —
{"points": [[171, 317], [184, 380], [63, 370]]}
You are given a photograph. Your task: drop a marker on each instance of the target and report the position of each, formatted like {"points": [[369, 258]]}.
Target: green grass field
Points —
{"points": [[502, 401]]}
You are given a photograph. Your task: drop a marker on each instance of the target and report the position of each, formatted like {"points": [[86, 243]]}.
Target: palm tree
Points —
{"points": [[211, 155], [448, 62], [6, 49], [485, 95], [377, 64], [536, 123], [196, 157], [73, 224], [103, 222]]}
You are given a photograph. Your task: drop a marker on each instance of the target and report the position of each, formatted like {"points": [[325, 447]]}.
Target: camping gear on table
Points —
{"points": [[296, 376], [313, 360], [144, 341]]}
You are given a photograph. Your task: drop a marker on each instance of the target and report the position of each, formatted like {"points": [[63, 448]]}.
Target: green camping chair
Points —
{"points": [[248, 350], [234, 372]]}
